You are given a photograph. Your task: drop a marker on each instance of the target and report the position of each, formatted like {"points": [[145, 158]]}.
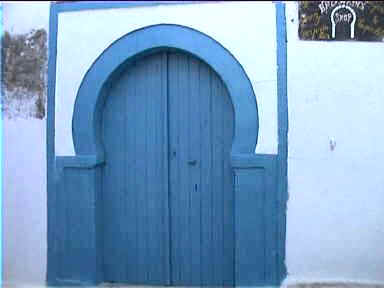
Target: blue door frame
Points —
{"points": [[74, 196]]}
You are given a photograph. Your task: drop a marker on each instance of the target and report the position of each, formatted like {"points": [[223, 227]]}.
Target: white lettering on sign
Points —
{"points": [[326, 5], [337, 17], [346, 18]]}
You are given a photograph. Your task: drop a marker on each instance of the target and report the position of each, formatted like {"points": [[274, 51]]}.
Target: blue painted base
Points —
{"points": [[61, 283]]}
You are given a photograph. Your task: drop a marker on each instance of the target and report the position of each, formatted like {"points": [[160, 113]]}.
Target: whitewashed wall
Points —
{"points": [[335, 222], [24, 245], [24, 201], [245, 29]]}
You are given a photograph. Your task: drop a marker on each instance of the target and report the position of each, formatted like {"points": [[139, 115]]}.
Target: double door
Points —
{"points": [[168, 198]]}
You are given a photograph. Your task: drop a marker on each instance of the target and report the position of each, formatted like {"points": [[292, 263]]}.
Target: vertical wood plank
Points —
{"points": [[216, 140], [134, 188], [150, 141], [195, 172], [183, 131], [114, 112], [228, 197], [206, 176], [186, 147], [131, 251], [164, 116], [174, 169], [140, 172]]}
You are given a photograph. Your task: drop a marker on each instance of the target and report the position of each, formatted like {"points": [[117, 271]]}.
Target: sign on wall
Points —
{"points": [[341, 20]]}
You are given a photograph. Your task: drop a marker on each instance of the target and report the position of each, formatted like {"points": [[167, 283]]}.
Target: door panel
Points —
{"points": [[167, 182], [201, 182], [135, 178]]}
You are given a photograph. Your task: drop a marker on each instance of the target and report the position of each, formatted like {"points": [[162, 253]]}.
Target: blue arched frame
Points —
{"points": [[74, 196], [90, 97]]}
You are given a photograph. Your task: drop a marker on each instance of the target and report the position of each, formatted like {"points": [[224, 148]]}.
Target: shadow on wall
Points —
{"points": [[24, 65]]}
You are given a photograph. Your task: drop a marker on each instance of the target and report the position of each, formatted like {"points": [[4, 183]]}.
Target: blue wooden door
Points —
{"points": [[135, 176], [167, 184], [200, 178]]}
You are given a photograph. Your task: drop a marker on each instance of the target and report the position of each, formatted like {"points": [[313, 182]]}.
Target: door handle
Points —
{"points": [[192, 162]]}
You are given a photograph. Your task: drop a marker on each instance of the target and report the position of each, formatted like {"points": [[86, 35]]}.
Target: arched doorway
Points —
{"points": [[241, 138], [167, 179], [77, 214]]}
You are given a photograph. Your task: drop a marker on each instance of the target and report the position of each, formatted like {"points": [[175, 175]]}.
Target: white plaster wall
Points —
{"points": [[335, 218], [24, 173], [22, 16], [245, 29], [24, 216]]}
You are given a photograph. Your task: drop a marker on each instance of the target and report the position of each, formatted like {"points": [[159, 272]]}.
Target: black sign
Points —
{"points": [[341, 20]]}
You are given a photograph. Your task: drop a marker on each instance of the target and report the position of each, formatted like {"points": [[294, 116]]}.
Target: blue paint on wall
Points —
{"points": [[282, 189], [262, 178], [53, 229], [1, 152], [255, 220], [88, 5]]}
